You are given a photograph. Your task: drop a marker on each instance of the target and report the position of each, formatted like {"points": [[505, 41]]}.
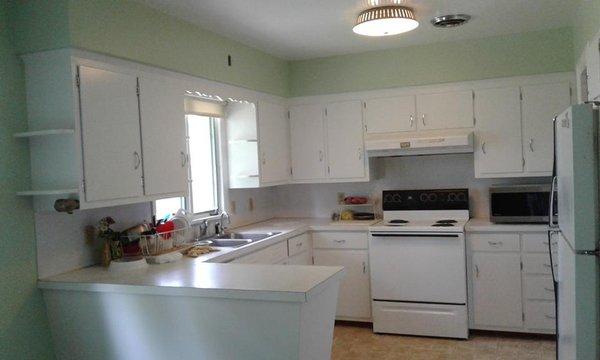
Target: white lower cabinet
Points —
{"points": [[510, 282], [273, 254], [354, 302]]}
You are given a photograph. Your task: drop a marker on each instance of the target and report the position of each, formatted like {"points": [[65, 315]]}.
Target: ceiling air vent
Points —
{"points": [[449, 21]]}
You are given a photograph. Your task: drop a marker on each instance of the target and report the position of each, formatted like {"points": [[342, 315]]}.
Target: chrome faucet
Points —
{"points": [[224, 222]]}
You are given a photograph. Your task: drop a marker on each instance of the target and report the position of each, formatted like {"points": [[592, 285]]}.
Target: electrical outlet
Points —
{"points": [[232, 207], [251, 204]]}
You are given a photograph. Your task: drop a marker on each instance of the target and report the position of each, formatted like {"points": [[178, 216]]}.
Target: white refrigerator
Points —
{"points": [[574, 238]]}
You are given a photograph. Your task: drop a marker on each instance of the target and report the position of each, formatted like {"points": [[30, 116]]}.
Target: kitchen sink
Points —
{"points": [[239, 239]]}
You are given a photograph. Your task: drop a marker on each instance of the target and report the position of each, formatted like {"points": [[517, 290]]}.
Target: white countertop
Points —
{"points": [[201, 277], [190, 277], [485, 225]]}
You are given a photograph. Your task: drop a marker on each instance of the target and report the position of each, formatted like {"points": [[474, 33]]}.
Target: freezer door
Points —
{"points": [[577, 176], [578, 303]]}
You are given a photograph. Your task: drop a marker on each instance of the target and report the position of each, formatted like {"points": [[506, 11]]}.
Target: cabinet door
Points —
{"points": [[110, 135], [392, 114], [302, 258], [592, 56], [445, 110], [162, 115], [354, 300], [497, 289], [274, 143], [307, 142], [498, 128], [540, 104], [345, 147]]}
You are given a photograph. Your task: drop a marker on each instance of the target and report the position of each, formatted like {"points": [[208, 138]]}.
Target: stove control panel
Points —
{"points": [[441, 199]]}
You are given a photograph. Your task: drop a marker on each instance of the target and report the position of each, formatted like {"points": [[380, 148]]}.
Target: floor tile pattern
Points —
{"points": [[357, 341]]}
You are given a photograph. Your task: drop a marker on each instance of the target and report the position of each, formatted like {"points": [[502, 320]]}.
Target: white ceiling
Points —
{"points": [[302, 29]]}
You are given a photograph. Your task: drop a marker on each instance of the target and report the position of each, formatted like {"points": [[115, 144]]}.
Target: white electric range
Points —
{"points": [[418, 263]]}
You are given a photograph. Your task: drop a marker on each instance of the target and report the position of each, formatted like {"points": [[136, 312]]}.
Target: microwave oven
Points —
{"points": [[521, 203]]}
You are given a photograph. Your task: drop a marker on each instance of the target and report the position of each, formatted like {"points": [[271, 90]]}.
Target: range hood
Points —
{"points": [[420, 143]]}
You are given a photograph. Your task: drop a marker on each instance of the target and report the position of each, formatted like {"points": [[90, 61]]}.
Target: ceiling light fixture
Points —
{"points": [[385, 21]]}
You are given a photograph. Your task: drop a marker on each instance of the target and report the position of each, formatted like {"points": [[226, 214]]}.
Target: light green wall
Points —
{"points": [[24, 330], [133, 31], [587, 24], [500, 56]]}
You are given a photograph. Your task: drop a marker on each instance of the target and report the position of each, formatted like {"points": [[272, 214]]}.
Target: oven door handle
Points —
{"points": [[433, 234]]}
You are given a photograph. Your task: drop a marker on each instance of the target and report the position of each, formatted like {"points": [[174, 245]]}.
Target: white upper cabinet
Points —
{"points": [[592, 59], [274, 143], [540, 104], [393, 114], [498, 146], [445, 110], [307, 142], [110, 134], [162, 115], [345, 143]]}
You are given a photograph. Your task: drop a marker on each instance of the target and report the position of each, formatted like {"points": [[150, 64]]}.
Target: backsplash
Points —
{"points": [[397, 173]]}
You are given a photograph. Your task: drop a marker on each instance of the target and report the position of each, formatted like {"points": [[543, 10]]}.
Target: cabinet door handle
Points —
{"points": [[183, 159], [137, 160], [364, 264], [321, 155], [495, 243], [483, 147], [264, 158], [412, 121], [531, 144], [549, 289], [423, 119], [339, 241], [550, 317], [298, 245], [476, 271], [360, 153]]}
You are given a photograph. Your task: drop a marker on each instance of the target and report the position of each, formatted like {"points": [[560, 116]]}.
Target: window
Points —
{"points": [[204, 178]]}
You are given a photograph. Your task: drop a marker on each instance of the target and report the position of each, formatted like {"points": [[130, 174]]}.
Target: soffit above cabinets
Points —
{"points": [[306, 29]]}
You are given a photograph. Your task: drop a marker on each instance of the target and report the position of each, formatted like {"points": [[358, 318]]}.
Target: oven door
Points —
{"points": [[418, 267]]}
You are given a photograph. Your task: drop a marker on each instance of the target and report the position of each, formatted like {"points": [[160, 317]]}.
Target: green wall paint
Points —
{"points": [[133, 31], [24, 330], [587, 24], [501, 56]]}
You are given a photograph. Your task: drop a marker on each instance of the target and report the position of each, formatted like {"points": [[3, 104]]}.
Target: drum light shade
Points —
{"points": [[385, 21]]}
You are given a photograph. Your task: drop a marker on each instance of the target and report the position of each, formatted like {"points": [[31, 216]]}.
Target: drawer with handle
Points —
{"points": [[537, 242], [298, 244], [538, 287], [340, 240], [538, 264], [494, 242], [540, 315]]}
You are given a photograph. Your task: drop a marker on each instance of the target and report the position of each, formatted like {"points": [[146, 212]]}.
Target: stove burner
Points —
{"points": [[442, 225], [398, 221], [446, 221]]}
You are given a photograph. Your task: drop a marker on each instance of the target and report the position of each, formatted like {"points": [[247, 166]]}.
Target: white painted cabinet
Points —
{"points": [[327, 142], [110, 135], [162, 121], [354, 297], [497, 289], [307, 142], [540, 104], [498, 145], [510, 281], [274, 143], [345, 143], [592, 59], [392, 114], [274, 254], [347, 249], [448, 110]]}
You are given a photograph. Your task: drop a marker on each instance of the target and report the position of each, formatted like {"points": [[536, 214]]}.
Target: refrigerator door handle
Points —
{"points": [[551, 222]]}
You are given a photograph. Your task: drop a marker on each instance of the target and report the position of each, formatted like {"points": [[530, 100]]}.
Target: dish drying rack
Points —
{"points": [[164, 242]]}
